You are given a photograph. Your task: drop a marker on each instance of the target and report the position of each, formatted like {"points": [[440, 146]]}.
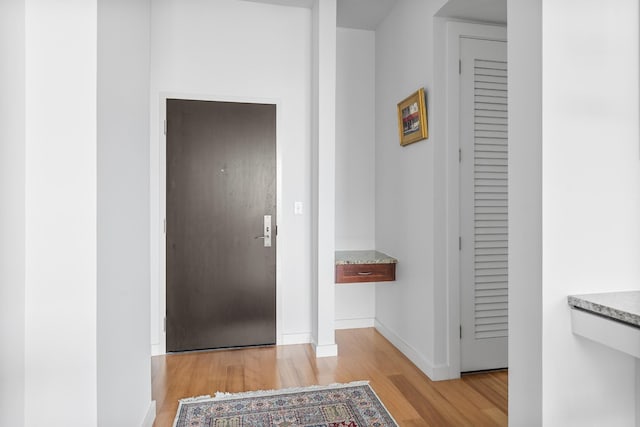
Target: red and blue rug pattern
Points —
{"points": [[337, 405]]}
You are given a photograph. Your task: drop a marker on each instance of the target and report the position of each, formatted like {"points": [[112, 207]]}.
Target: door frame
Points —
{"points": [[454, 31], [162, 203]]}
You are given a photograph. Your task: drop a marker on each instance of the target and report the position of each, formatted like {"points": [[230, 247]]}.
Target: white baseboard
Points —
{"points": [[289, 339], [327, 350], [354, 323], [434, 372], [305, 338], [155, 350], [151, 415]]}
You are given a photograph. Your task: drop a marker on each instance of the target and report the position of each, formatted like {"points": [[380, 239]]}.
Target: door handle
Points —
{"points": [[267, 232]]}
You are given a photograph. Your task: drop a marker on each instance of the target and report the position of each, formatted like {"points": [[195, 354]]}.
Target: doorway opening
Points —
{"points": [[218, 254], [454, 32]]}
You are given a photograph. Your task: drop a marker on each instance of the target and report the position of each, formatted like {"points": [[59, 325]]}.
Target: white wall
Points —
{"points": [[124, 386], [233, 50], [60, 296], [323, 195], [66, 340], [355, 139], [574, 204], [525, 212], [355, 161], [590, 200], [12, 223], [405, 195]]}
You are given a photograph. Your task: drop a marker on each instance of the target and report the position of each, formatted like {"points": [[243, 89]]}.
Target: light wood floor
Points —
{"points": [[412, 399]]}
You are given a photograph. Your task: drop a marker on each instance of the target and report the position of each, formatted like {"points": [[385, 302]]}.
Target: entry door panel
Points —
{"points": [[483, 204], [221, 182]]}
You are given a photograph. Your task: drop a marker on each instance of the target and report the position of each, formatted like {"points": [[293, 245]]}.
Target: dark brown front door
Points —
{"points": [[221, 182]]}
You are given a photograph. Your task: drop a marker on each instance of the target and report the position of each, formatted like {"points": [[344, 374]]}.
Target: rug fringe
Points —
{"points": [[195, 399], [223, 395]]}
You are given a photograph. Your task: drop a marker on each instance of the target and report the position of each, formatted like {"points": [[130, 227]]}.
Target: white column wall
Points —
{"points": [[323, 134], [590, 201], [12, 210], [124, 356], [574, 204], [525, 211], [60, 290]]}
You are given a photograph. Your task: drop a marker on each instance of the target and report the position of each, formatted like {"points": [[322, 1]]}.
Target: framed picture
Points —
{"points": [[412, 118]]}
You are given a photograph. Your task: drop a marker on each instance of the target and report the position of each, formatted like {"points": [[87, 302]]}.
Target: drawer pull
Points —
{"points": [[365, 273]]}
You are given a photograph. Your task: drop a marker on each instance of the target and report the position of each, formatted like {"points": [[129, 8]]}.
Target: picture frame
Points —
{"points": [[412, 118]]}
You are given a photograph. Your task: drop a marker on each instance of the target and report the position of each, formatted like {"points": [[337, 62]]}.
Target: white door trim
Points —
{"points": [[454, 31], [158, 183]]}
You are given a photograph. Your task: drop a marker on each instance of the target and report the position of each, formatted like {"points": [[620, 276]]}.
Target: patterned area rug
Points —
{"points": [[337, 405]]}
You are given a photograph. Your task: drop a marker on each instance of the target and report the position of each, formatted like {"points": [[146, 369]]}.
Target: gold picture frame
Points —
{"points": [[412, 118]]}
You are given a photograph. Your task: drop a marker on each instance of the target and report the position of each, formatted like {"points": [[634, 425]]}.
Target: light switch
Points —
{"points": [[297, 208]]}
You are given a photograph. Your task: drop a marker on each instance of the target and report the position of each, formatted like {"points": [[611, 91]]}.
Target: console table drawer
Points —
{"points": [[355, 273]]}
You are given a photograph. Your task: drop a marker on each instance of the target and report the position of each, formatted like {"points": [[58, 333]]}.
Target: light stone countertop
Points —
{"points": [[620, 306], [363, 257]]}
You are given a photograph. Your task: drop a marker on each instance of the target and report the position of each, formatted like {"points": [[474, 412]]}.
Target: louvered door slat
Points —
{"points": [[492, 292], [490, 327], [491, 251]]}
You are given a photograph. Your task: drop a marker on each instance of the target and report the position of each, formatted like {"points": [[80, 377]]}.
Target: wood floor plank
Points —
{"points": [[401, 409], [409, 395], [235, 379], [497, 415], [260, 371], [415, 423], [428, 408], [471, 404], [491, 387]]}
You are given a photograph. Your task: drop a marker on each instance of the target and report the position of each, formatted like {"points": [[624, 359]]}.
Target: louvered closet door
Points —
{"points": [[483, 204]]}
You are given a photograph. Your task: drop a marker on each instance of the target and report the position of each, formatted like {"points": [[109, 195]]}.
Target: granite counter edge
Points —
{"points": [[603, 310]]}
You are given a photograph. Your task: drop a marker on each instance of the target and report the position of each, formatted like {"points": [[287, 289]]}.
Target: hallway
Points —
{"points": [[412, 399]]}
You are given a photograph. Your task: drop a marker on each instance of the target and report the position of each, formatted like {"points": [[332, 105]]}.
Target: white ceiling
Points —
{"points": [[293, 3], [476, 10], [358, 14], [363, 14], [367, 14]]}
